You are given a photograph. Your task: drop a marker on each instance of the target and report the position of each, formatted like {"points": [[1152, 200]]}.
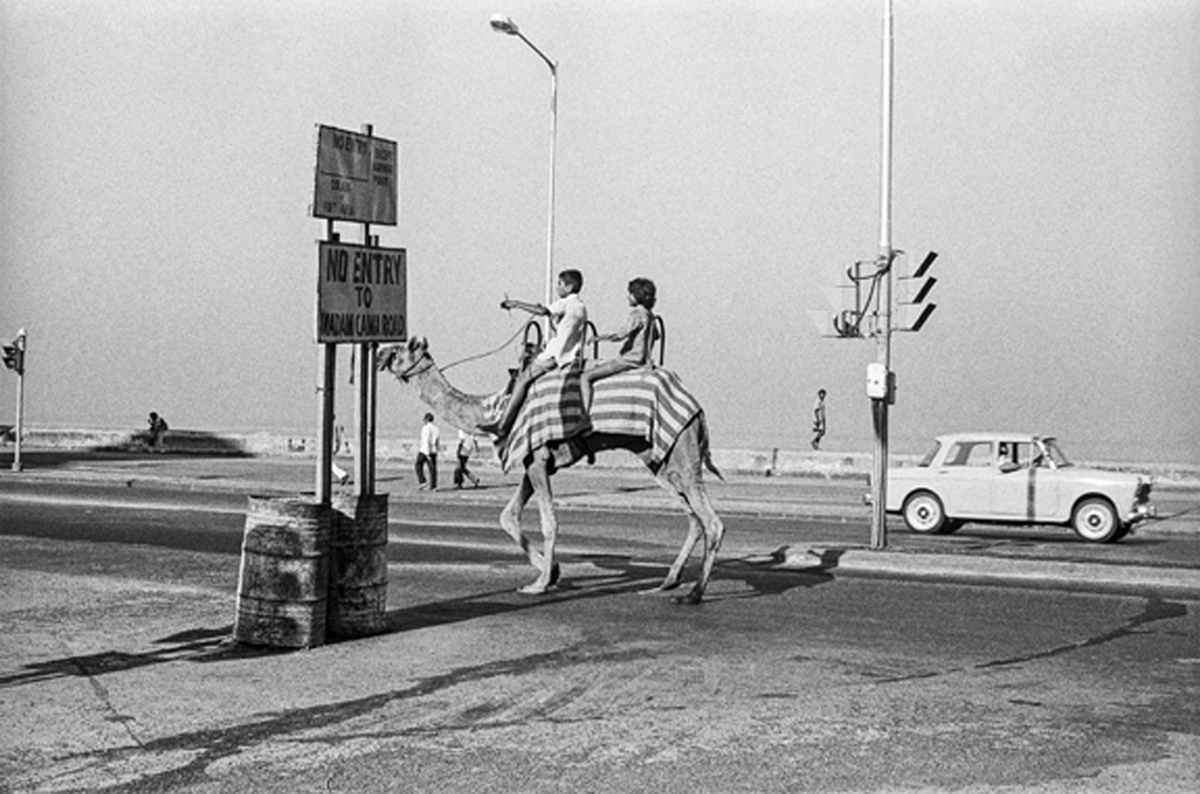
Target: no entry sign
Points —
{"points": [[362, 294]]}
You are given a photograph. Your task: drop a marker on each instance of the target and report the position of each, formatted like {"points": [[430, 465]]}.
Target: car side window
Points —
{"points": [[968, 453], [1024, 453]]}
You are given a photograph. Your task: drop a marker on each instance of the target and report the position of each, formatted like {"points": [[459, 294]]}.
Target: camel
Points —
{"points": [[680, 471]]}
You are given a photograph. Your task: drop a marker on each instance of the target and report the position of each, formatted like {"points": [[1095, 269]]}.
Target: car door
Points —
{"points": [[1021, 489], [963, 480]]}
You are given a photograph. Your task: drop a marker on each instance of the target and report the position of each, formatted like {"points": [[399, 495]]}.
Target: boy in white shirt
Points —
{"points": [[568, 319]]}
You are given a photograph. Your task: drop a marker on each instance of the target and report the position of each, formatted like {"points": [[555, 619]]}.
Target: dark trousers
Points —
{"points": [[424, 460], [462, 473]]}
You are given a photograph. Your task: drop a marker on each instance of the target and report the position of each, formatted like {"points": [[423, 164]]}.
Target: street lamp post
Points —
{"points": [[501, 23]]}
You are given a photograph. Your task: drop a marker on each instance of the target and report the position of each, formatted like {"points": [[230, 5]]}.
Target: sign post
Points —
{"points": [[362, 289], [14, 359]]}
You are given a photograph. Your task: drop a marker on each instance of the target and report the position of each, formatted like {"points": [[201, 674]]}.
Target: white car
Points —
{"points": [[1014, 478]]}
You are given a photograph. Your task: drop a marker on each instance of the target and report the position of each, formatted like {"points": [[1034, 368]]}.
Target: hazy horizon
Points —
{"points": [[157, 174]]}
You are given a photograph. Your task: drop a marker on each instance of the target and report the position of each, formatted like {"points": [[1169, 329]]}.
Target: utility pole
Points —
{"points": [[882, 394], [880, 302]]}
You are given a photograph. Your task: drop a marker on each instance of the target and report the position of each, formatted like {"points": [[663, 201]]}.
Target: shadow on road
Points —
{"points": [[195, 645]]}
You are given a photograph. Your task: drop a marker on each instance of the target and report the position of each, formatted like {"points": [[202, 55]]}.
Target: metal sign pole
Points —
{"points": [[328, 369], [364, 419]]}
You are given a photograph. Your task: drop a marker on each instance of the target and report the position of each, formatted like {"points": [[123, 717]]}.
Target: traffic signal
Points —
{"points": [[912, 290], [14, 358], [14, 354]]}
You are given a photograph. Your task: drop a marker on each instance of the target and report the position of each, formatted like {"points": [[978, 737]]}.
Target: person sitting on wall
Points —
{"points": [[158, 429]]}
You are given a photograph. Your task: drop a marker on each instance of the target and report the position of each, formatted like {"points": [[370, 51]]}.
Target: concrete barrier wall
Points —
{"points": [[764, 462]]}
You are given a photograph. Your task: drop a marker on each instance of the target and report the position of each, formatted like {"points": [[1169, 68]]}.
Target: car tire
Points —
{"points": [[924, 514], [1095, 520]]}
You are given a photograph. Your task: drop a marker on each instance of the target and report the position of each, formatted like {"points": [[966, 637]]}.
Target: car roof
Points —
{"points": [[991, 435]]}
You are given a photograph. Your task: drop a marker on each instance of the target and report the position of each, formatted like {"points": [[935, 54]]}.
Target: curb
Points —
{"points": [[971, 569]]}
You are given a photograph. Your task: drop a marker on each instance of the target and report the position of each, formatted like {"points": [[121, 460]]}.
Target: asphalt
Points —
{"points": [[1159, 555], [132, 682]]}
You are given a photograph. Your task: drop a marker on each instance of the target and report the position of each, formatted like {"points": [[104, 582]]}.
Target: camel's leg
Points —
{"points": [[510, 520], [695, 529], [683, 475], [538, 475], [714, 533]]}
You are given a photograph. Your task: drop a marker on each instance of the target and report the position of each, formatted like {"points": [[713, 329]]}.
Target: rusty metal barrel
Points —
{"points": [[358, 566], [283, 582]]}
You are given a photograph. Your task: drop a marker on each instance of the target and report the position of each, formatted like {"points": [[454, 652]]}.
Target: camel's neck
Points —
{"points": [[464, 411]]}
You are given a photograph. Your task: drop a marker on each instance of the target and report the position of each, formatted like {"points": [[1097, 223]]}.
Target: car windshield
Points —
{"points": [[1056, 455], [925, 461]]}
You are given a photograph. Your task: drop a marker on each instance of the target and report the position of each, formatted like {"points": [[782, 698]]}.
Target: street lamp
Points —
{"points": [[501, 23]]}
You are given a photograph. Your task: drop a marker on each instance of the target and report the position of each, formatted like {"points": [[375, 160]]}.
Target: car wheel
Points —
{"points": [[1095, 520], [923, 513]]}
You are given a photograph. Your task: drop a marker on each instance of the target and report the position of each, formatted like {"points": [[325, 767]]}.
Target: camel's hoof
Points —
{"points": [[659, 588], [690, 599], [534, 589]]}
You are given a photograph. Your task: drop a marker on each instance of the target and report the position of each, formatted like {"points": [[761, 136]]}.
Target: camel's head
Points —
{"points": [[405, 360]]}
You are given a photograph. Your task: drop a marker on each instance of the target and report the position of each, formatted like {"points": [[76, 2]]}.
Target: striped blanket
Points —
{"points": [[649, 404]]}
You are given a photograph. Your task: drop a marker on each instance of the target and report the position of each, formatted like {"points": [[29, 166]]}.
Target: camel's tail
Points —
{"points": [[705, 451]]}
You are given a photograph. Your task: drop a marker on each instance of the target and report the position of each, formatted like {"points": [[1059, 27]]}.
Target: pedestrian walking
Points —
{"points": [[427, 452], [468, 445], [818, 417]]}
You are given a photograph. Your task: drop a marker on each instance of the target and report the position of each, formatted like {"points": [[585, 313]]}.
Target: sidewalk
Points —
{"points": [[1159, 555]]}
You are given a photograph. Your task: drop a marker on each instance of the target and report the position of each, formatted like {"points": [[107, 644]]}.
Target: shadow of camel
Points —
{"points": [[617, 575]]}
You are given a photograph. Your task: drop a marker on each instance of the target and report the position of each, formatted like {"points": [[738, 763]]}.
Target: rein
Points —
{"points": [[492, 352]]}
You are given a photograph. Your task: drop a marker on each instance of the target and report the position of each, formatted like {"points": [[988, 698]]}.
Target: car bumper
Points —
{"points": [[1141, 512]]}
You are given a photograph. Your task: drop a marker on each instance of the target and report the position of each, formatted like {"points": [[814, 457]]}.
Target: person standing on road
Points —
{"points": [[427, 452], [467, 446], [818, 417]]}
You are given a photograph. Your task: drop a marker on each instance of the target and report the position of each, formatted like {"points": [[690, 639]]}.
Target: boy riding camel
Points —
{"points": [[568, 319], [636, 338]]}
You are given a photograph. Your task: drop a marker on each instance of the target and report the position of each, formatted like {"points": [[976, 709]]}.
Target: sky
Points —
{"points": [[157, 170]]}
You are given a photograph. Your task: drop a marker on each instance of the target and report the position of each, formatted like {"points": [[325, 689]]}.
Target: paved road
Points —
{"points": [[1161, 554], [116, 673]]}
